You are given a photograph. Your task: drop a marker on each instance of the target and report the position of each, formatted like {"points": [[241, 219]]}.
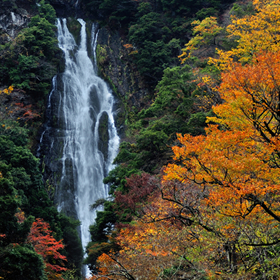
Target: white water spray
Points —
{"points": [[84, 99]]}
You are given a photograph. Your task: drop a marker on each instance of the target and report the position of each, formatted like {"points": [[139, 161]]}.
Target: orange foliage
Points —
{"points": [[128, 46], [20, 216], [7, 90], [240, 164], [234, 171], [26, 110], [46, 246], [141, 244], [217, 209]]}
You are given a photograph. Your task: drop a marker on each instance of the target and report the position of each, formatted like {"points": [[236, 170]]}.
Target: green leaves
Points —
{"points": [[153, 141], [21, 262], [18, 135], [47, 11], [40, 37], [28, 62]]}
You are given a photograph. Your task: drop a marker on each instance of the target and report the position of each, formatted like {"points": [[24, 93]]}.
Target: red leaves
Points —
{"points": [[26, 110], [140, 187], [46, 246]]}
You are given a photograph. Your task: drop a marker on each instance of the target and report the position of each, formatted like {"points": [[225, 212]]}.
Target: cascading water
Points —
{"points": [[83, 106]]}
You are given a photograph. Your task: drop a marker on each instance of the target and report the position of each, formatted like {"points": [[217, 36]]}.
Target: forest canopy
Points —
{"points": [[213, 211], [195, 189]]}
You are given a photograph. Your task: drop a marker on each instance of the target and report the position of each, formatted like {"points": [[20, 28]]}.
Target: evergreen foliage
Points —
{"points": [[33, 52], [21, 262], [215, 214], [157, 29], [21, 189], [29, 62]]}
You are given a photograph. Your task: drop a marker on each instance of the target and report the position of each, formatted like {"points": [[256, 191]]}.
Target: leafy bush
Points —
{"points": [[21, 187], [29, 62]]}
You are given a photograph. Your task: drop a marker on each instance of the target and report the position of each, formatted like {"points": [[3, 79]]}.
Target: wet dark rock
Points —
{"points": [[67, 8], [51, 151], [12, 20], [103, 135], [118, 68]]}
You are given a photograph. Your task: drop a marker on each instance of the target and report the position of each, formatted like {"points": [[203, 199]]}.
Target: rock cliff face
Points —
{"points": [[12, 22], [116, 64], [51, 151], [12, 19], [67, 8]]}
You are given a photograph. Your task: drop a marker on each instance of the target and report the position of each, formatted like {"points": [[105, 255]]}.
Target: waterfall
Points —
{"points": [[82, 105]]}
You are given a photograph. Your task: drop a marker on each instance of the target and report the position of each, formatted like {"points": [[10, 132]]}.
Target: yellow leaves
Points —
{"points": [[206, 79], [7, 90], [254, 33], [206, 26], [133, 52], [206, 32]]}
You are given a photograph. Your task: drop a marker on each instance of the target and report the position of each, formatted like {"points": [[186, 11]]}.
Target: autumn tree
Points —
{"points": [[139, 188], [253, 33], [157, 237], [222, 192], [205, 33], [161, 245], [46, 246], [237, 167]]}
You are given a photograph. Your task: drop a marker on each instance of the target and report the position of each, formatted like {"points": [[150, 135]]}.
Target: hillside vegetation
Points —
{"points": [[31, 229], [195, 191]]}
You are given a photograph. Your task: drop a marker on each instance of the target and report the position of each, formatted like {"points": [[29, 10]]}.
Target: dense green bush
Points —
{"points": [[21, 262], [29, 61], [157, 29], [47, 11], [116, 13], [22, 189], [40, 38]]}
